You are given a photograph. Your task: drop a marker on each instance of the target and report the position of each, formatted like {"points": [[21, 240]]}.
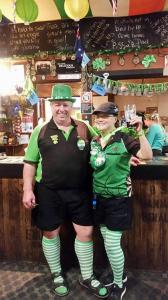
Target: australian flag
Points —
{"points": [[78, 47]]}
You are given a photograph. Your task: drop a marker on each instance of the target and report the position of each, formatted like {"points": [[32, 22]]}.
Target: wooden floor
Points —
{"points": [[26, 280]]}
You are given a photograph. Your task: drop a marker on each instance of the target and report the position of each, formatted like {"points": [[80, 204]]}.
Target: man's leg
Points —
{"points": [[84, 252], [51, 249]]}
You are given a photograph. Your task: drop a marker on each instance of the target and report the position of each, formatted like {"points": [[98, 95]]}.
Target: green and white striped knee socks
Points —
{"points": [[84, 252], [51, 249], [112, 242]]}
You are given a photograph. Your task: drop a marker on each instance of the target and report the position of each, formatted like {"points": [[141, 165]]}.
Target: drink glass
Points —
{"points": [[130, 113]]}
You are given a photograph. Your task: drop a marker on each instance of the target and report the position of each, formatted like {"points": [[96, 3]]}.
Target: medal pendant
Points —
{"points": [[81, 144]]}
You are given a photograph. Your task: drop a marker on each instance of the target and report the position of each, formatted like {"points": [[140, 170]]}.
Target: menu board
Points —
{"points": [[23, 39], [113, 34], [125, 33]]}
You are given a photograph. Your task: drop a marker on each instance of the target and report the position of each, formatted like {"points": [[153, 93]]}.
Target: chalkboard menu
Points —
{"points": [[96, 33], [126, 32], [42, 36]]}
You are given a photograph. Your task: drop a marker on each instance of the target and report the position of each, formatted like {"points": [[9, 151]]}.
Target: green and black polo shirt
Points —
{"points": [[112, 178], [60, 162]]}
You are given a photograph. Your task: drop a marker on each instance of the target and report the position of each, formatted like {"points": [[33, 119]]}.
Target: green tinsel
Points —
{"points": [[131, 131]]}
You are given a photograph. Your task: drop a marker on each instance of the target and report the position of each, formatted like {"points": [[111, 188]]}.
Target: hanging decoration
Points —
{"points": [[76, 9], [99, 64], [29, 92], [127, 88], [121, 60], [114, 6], [0, 15], [136, 59], [14, 12], [27, 10], [147, 60], [78, 48], [108, 61]]}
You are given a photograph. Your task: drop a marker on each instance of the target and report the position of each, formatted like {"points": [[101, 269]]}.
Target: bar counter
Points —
{"points": [[146, 244]]}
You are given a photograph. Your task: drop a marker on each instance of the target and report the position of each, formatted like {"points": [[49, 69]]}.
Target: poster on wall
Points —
{"points": [[27, 124], [86, 103], [151, 109]]}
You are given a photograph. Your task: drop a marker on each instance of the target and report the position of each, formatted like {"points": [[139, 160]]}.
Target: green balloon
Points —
{"points": [[27, 10]]}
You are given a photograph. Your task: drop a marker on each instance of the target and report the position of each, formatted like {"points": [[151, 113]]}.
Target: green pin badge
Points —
{"points": [[54, 138], [81, 144], [100, 160]]}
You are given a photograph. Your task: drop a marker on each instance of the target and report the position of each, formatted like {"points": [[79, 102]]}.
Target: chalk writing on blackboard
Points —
{"points": [[124, 33], [113, 34]]}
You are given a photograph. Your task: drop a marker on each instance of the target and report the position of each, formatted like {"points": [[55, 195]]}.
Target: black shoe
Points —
{"points": [[117, 293], [108, 280]]}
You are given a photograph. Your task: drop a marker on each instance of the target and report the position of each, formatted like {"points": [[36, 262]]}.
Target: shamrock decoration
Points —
{"points": [[147, 60], [99, 64]]}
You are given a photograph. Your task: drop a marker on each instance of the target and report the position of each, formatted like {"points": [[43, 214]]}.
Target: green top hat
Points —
{"points": [[61, 92]]}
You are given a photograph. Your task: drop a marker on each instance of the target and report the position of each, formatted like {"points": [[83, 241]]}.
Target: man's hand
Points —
{"points": [[134, 161], [29, 200]]}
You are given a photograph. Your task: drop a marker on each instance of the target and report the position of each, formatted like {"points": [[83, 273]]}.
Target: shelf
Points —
{"points": [[6, 145]]}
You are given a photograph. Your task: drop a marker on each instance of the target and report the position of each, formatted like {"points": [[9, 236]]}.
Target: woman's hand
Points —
{"points": [[137, 122], [134, 161]]}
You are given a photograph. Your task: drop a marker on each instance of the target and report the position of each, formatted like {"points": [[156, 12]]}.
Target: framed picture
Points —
{"points": [[43, 67], [150, 109]]}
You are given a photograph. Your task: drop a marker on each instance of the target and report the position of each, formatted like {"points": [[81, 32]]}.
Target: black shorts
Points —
{"points": [[56, 206], [115, 212]]}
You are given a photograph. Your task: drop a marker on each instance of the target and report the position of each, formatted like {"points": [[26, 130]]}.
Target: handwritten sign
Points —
{"points": [[42, 36], [113, 34], [125, 33]]}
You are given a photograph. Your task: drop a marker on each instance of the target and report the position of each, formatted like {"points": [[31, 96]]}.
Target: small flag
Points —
{"points": [[85, 60], [32, 97], [78, 47]]}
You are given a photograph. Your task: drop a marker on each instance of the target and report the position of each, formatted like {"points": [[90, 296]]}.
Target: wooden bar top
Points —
{"points": [[12, 167]]}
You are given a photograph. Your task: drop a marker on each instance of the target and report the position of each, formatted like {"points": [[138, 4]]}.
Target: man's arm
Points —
{"points": [[29, 171]]}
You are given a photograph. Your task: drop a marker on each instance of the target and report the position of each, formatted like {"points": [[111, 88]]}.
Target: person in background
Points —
{"points": [[155, 134], [110, 155], [57, 182]]}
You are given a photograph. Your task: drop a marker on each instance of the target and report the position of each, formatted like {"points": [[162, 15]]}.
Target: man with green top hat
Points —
{"points": [[57, 180]]}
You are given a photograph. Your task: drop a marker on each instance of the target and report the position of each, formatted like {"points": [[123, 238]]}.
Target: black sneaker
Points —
{"points": [[117, 293], [108, 280]]}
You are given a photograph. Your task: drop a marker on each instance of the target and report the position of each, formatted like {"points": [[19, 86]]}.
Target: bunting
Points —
{"points": [[125, 88]]}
